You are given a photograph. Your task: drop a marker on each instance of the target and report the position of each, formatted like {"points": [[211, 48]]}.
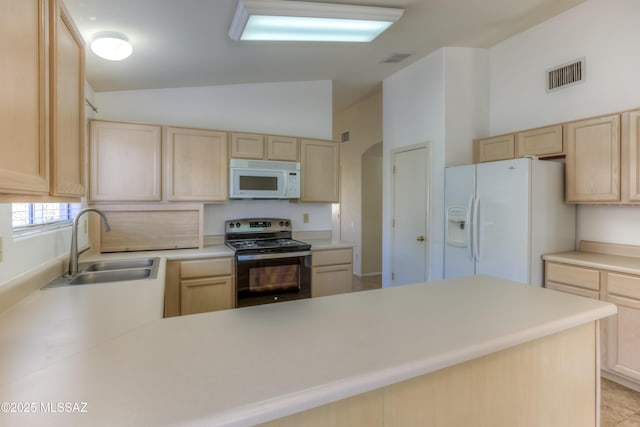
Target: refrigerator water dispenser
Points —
{"points": [[456, 224]]}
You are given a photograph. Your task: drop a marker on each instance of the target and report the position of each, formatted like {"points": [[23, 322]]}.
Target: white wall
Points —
{"points": [[441, 99], [293, 108], [413, 113], [466, 102], [605, 32], [363, 120]]}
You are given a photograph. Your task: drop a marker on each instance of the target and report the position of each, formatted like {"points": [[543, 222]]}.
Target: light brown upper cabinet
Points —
{"points": [[261, 147], [494, 148], [283, 148], [247, 146], [42, 102], [24, 137], [196, 165], [593, 160], [67, 106], [125, 162], [320, 171], [630, 158], [541, 142]]}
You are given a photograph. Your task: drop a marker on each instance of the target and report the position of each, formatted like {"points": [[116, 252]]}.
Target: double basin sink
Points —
{"points": [[116, 270]]}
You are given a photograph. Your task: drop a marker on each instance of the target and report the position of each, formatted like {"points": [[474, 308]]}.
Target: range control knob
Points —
{"points": [[238, 224], [286, 223], [232, 225], [281, 223]]}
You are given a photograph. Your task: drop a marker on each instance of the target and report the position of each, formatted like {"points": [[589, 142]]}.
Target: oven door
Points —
{"points": [[272, 277]]}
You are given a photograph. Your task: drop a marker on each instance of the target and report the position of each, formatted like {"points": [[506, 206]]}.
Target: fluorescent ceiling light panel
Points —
{"points": [[280, 20]]}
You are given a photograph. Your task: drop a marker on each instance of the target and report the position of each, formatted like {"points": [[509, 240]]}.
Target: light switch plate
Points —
{"points": [[305, 218]]}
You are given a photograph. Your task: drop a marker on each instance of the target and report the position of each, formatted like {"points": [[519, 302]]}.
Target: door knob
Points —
{"points": [[420, 238]]}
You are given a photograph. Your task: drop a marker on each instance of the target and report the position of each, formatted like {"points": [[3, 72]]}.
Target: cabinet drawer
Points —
{"points": [[331, 257], [206, 268], [623, 285], [574, 290], [575, 276]]}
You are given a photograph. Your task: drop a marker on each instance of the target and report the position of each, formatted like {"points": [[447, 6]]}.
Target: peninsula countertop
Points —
{"points": [[245, 366]]}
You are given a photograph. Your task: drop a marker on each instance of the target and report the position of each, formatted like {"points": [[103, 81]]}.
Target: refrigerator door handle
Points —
{"points": [[469, 229], [476, 229]]}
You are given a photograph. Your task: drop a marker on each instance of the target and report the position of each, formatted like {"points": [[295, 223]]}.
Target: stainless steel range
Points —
{"points": [[270, 265]]}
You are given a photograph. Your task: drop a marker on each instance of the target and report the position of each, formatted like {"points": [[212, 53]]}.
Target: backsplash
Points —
{"points": [[319, 214]]}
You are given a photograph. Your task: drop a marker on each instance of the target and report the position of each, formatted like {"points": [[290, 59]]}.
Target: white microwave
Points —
{"points": [[263, 179]]}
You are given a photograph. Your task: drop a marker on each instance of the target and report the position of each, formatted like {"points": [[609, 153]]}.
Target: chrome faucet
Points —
{"points": [[73, 256]]}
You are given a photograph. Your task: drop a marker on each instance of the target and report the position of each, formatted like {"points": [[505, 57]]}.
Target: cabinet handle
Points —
{"points": [[420, 238]]}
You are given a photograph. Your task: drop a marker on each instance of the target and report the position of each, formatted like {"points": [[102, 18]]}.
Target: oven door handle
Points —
{"points": [[252, 257]]}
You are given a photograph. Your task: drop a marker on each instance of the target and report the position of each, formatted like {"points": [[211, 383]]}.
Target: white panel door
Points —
{"points": [[503, 198], [410, 197], [460, 188]]}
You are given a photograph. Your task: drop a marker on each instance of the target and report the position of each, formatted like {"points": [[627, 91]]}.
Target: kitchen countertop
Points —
{"points": [[108, 347], [618, 263], [323, 244]]}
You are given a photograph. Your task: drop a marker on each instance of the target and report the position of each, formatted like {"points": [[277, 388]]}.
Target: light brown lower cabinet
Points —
{"points": [[620, 333], [520, 386], [199, 286], [331, 272], [623, 340]]}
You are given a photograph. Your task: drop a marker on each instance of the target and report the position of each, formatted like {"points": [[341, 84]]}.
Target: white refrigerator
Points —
{"points": [[501, 217]]}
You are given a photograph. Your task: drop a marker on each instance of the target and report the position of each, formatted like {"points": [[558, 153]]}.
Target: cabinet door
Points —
{"points": [[207, 294], [494, 148], [320, 171], [24, 136], [67, 106], [331, 280], [125, 162], [197, 165], [283, 148], [247, 146], [631, 156], [542, 142], [623, 353], [593, 160]]}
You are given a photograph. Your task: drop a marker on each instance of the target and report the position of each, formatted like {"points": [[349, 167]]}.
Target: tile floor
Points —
{"points": [[620, 406]]}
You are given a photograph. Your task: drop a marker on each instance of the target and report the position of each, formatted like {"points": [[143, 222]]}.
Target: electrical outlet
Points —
{"points": [[305, 218]]}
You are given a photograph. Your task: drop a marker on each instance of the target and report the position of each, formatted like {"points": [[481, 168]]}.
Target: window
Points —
{"points": [[33, 217]]}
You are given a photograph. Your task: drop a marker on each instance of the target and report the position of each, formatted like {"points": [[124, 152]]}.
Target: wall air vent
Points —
{"points": [[344, 136], [566, 75], [396, 57]]}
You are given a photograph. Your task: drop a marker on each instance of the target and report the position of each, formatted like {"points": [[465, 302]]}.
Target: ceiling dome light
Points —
{"points": [[111, 46]]}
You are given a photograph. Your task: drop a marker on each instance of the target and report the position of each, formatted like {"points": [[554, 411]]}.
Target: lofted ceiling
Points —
{"points": [[183, 43]]}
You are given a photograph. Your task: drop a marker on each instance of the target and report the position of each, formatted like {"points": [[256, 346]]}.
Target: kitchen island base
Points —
{"points": [[551, 381]]}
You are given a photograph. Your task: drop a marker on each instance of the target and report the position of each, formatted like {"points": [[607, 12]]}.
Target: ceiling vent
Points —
{"points": [[566, 75], [396, 57], [345, 137]]}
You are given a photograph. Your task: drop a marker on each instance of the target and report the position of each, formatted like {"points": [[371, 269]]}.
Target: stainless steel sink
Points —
{"points": [[110, 276], [116, 270], [117, 264]]}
